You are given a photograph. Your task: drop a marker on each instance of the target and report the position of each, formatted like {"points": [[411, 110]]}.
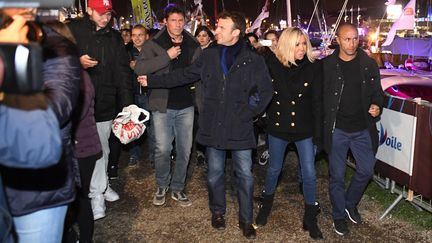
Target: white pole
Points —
{"points": [[289, 13]]}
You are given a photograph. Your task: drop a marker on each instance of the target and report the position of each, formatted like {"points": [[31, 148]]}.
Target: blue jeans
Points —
{"points": [[45, 225], [176, 124], [136, 151], [242, 161], [361, 147], [305, 148]]}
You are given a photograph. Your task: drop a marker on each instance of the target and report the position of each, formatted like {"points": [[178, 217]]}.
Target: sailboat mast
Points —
{"points": [[289, 13], [317, 14], [215, 7]]}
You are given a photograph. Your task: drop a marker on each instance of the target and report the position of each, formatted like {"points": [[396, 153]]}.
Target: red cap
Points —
{"points": [[101, 6]]}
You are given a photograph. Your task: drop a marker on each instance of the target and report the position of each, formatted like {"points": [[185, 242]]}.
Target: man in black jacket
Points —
{"points": [[103, 55], [353, 101], [172, 109], [229, 73]]}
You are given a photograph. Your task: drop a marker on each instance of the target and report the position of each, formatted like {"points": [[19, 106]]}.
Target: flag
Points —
{"points": [[263, 15], [404, 22], [148, 20], [142, 12], [377, 36]]}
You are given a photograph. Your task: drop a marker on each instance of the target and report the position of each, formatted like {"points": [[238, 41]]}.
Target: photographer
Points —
{"points": [[38, 197], [15, 151]]}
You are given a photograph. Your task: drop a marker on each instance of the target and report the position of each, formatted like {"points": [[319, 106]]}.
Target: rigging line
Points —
{"points": [[311, 18], [338, 20]]}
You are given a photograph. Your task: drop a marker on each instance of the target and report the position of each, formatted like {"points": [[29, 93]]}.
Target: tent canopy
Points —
{"points": [[410, 46]]}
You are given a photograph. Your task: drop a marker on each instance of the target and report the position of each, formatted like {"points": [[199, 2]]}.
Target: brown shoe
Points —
{"points": [[248, 230], [218, 221]]}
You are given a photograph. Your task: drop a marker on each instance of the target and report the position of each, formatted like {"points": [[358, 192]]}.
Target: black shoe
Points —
{"points": [[218, 221], [264, 157], [310, 221], [133, 162], [248, 230], [353, 215], [200, 159], [113, 172], [340, 226], [264, 209]]}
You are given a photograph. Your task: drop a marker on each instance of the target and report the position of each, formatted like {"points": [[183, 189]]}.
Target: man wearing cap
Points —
{"points": [[103, 56]]}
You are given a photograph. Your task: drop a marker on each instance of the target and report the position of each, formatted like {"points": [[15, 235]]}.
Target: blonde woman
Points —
{"points": [[294, 115]]}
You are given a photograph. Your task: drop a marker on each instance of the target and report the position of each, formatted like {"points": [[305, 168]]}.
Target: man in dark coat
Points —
{"points": [[353, 101], [230, 74], [103, 55]]}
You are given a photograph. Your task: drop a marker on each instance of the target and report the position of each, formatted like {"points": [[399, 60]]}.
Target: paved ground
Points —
{"points": [[134, 218]]}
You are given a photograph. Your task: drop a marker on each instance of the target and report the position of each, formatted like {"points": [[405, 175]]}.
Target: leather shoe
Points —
{"points": [[218, 221], [248, 230]]}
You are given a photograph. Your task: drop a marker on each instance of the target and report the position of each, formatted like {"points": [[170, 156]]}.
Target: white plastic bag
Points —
{"points": [[127, 127]]}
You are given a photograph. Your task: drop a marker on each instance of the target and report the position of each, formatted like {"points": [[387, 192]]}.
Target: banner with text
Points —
{"points": [[396, 139], [142, 13]]}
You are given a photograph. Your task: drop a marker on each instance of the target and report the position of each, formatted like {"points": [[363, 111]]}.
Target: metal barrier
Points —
{"points": [[416, 200]]}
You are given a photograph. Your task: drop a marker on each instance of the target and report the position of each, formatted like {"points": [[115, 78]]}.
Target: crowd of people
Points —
{"points": [[210, 91]]}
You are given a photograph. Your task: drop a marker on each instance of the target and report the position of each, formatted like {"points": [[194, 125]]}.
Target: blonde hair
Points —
{"points": [[287, 43]]}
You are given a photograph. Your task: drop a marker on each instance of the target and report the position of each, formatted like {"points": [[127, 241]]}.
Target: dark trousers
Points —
{"points": [[361, 148], [84, 213], [115, 150]]}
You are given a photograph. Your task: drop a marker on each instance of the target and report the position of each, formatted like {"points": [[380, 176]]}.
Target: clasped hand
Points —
{"points": [[142, 80], [374, 110]]}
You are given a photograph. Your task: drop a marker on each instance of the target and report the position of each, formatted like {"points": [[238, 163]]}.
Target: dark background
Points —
{"points": [[369, 9], [251, 8]]}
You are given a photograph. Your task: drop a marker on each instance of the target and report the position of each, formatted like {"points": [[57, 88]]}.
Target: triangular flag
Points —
{"points": [[405, 22]]}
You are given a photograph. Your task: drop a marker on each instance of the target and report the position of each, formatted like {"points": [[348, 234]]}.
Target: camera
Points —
{"points": [[21, 64], [23, 68]]}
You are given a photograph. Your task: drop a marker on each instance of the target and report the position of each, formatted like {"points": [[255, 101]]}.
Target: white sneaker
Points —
{"points": [[110, 195], [98, 207]]}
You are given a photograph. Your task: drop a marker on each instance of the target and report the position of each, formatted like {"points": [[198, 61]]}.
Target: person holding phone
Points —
{"points": [[104, 57]]}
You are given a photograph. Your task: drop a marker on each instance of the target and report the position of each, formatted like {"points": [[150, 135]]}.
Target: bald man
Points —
{"points": [[353, 100]]}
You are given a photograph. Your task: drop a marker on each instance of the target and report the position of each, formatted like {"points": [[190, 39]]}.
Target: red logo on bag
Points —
{"points": [[127, 127]]}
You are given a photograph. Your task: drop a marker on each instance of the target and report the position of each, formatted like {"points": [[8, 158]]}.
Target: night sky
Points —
{"points": [[251, 8]]}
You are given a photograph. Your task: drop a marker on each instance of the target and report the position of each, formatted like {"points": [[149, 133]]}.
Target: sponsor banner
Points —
{"points": [[396, 139], [142, 13]]}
